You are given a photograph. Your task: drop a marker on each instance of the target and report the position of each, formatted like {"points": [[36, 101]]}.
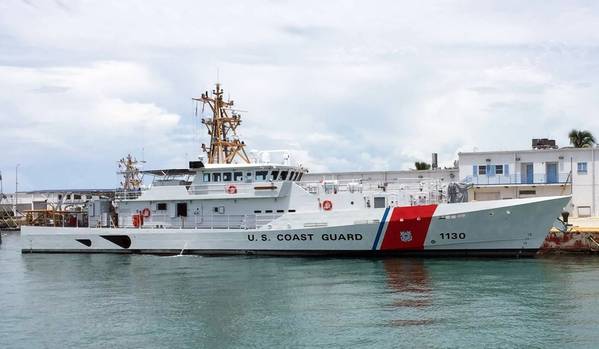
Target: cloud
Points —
{"points": [[344, 84]]}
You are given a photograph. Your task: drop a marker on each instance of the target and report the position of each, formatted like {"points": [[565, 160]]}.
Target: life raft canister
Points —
{"points": [[231, 189], [327, 205], [138, 220], [146, 212]]}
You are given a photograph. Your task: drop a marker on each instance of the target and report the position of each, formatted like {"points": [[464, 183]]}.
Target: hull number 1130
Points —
{"points": [[453, 236]]}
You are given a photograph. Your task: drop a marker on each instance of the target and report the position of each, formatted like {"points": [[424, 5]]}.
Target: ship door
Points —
{"points": [[181, 209], [380, 202]]}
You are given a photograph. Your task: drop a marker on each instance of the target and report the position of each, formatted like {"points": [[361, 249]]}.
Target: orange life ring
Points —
{"points": [[231, 189], [146, 212], [327, 205]]}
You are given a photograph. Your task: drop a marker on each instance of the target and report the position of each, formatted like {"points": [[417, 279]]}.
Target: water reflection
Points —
{"points": [[410, 282]]}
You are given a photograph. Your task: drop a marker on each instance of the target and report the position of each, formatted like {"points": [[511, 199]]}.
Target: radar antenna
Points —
{"points": [[225, 144]]}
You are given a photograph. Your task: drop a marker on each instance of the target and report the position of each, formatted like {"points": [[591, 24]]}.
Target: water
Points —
{"points": [[114, 301]]}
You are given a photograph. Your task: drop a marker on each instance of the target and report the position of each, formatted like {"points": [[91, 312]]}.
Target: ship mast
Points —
{"points": [[131, 176], [225, 145]]}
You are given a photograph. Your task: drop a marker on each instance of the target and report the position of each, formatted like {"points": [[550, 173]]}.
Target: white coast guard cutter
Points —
{"points": [[223, 207]]}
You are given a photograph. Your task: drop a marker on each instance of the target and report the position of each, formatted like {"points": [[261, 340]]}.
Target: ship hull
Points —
{"points": [[508, 228]]}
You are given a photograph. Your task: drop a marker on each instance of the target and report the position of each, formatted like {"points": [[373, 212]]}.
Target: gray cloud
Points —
{"points": [[343, 83]]}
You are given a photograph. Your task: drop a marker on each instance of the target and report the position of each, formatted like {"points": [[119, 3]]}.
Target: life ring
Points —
{"points": [[327, 205], [146, 212], [231, 189]]}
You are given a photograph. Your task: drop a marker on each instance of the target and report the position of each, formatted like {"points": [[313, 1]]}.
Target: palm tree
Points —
{"points": [[422, 166], [581, 139]]}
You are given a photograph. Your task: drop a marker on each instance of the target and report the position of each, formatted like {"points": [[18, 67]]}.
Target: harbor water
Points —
{"points": [[144, 301]]}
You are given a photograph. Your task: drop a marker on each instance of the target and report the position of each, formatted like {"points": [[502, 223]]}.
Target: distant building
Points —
{"points": [[445, 175], [55, 199], [535, 172]]}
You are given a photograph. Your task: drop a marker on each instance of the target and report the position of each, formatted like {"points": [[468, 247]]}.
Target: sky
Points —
{"points": [[344, 85]]}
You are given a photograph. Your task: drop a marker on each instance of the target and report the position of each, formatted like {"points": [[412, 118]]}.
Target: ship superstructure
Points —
{"points": [[233, 204]]}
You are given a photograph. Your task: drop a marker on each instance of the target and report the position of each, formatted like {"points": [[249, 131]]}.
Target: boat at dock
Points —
{"points": [[234, 203]]}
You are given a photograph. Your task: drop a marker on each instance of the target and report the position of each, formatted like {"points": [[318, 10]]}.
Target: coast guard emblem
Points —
{"points": [[406, 236]]}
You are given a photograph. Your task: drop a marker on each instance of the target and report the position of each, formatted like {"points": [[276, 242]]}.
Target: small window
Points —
{"points": [[206, 177], [59, 196], [261, 176], [237, 176], [582, 168], [482, 170], [257, 211], [291, 211], [284, 175], [274, 175], [248, 176], [77, 196], [528, 192], [280, 211], [499, 169], [216, 177], [68, 196], [161, 206], [227, 176], [267, 211]]}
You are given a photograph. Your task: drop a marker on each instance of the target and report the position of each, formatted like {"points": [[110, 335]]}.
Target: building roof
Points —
{"points": [[525, 151]]}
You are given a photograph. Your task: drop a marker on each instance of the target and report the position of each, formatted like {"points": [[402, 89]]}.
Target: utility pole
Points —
{"points": [[16, 189]]}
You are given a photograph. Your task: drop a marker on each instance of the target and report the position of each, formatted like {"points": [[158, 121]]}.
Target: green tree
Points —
{"points": [[581, 139], [422, 165]]}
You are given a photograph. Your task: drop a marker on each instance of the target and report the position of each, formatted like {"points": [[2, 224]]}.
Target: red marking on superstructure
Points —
{"points": [[413, 223]]}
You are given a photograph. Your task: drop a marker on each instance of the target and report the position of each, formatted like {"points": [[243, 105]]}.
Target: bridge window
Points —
{"points": [[299, 178], [227, 177], [291, 175], [216, 177], [274, 175], [206, 177], [284, 175], [238, 176], [261, 176]]}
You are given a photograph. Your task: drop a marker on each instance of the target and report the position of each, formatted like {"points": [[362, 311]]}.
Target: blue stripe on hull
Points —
{"points": [[380, 230]]}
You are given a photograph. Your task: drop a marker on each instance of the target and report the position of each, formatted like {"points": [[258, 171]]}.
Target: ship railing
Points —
{"points": [[358, 185], [127, 194], [215, 221], [222, 188]]}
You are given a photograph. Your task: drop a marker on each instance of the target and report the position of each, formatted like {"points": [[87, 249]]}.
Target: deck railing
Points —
{"points": [[518, 178], [217, 221]]}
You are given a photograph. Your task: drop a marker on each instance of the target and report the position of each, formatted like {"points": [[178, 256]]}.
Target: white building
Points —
{"points": [[535, 172], [54, 199]]}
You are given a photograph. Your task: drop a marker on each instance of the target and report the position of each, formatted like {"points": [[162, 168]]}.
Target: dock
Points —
{"points": [[581, 237]]}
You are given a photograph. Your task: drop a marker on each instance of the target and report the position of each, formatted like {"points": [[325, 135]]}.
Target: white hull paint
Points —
{"points": [[507, 227]]}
